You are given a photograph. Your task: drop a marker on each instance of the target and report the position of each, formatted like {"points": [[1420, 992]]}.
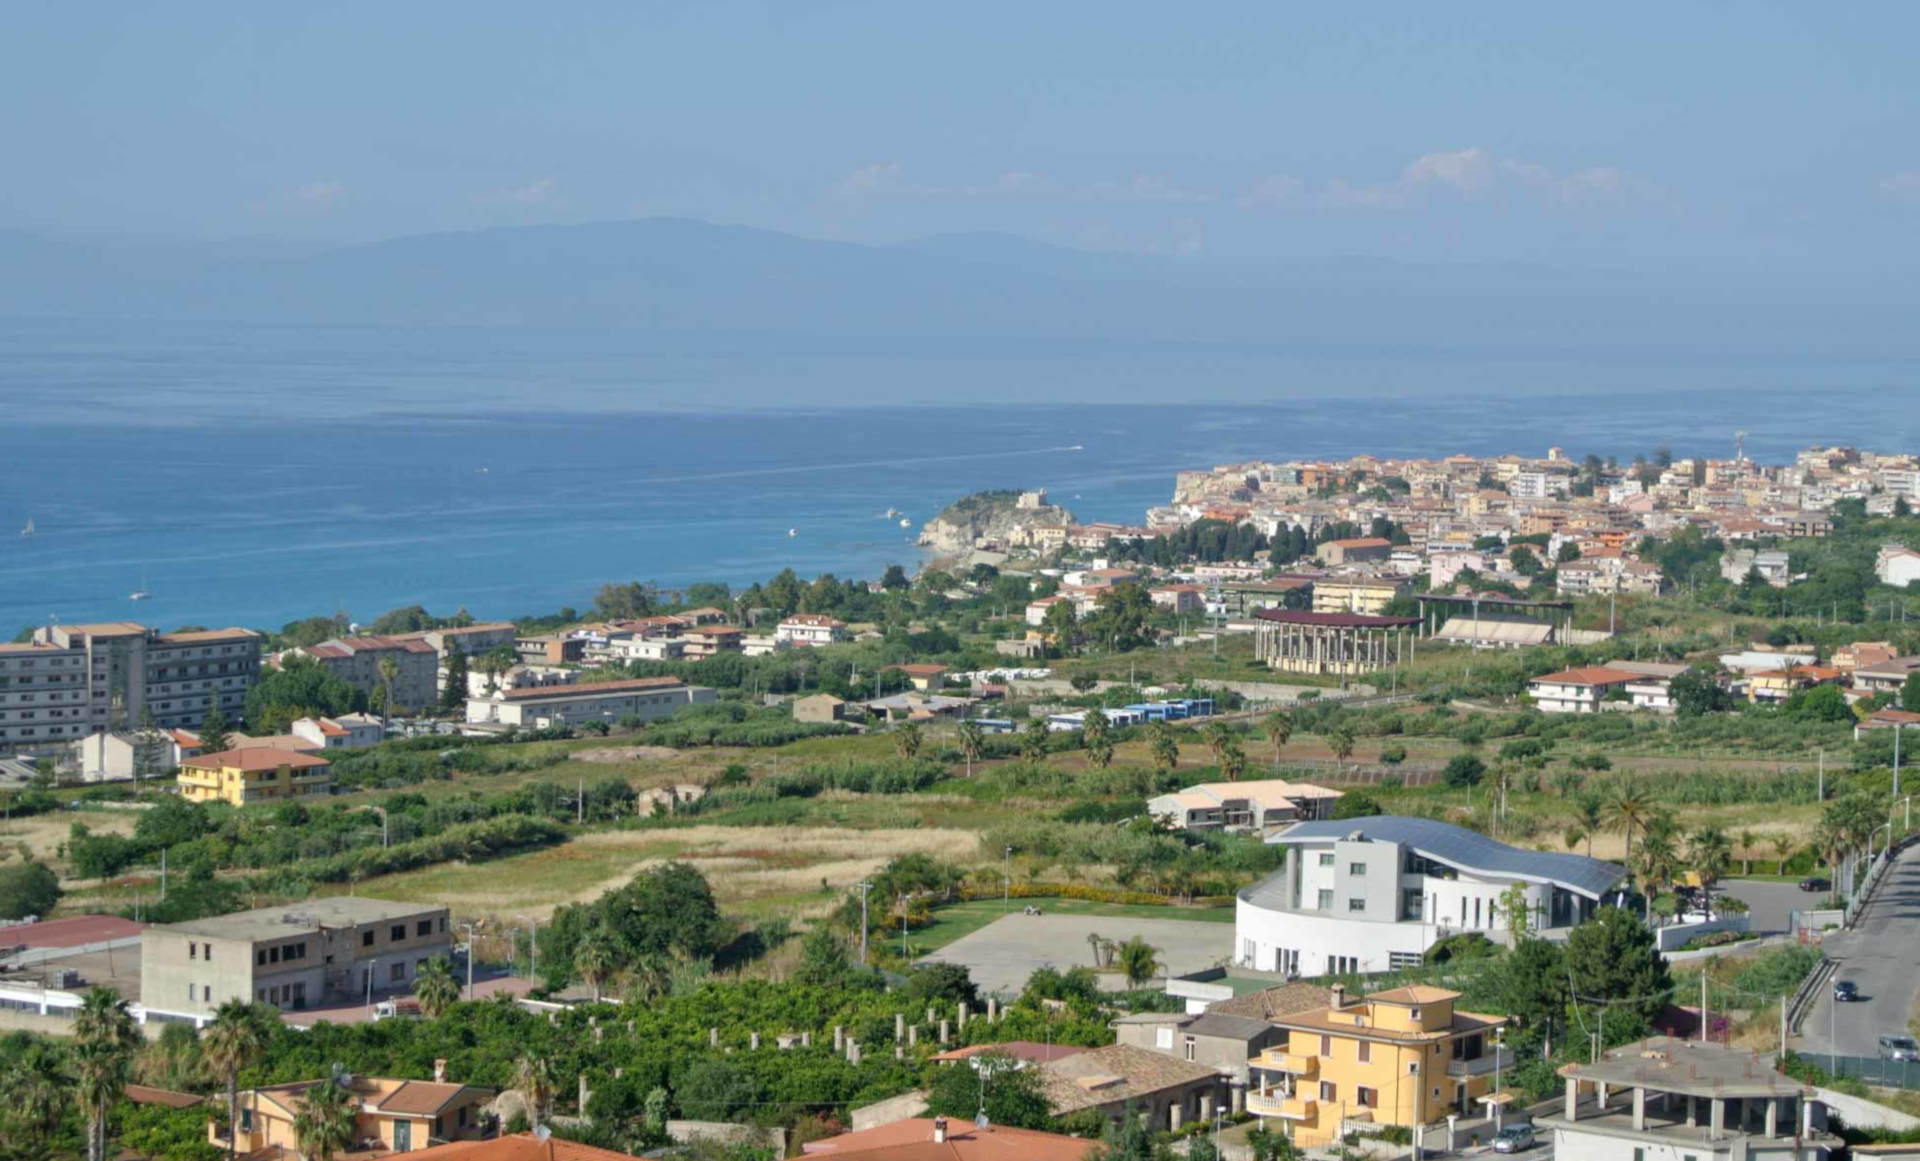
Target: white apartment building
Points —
{"points": [[1373, 894], [1578, 691], [811, 629], [645, 698], [1897, 565], [72, 681], [346, 732]]}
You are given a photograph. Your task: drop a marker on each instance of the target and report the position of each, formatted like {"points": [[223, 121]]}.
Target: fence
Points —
{"points": [[1871, 1069]]}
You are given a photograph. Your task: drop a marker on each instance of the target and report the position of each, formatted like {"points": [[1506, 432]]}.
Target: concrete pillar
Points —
{"points": [[713, 1038], [1237, 1098], [1773, 1117], [585, 1092], [1453, 1119], [1717, 1117], [1600, 1095], [913, 1035], [806, 1040], [931, 1014], [1176, 1111], [993, 1010], [753, 1041], [1206, 1106], [1693, 1112], [853, 1051], [839, 1038], [944, 1033], [1639, 1109], [899, 1027], [1571, 1111], [962, 1018], [899, 1051]]}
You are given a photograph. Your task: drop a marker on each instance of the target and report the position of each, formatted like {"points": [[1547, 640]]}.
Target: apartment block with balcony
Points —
{"points": [[1401, 1057], [357, 661], [72, 681], [250, 776]]}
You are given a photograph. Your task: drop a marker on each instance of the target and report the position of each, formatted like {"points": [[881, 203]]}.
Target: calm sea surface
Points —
{"points": [[251, 476]]}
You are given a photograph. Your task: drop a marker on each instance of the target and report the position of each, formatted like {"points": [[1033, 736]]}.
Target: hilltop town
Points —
{"points": [[1193, 835]]}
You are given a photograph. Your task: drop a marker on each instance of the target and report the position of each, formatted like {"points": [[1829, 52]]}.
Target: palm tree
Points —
{"points": [[1218, 738], [1574, 835], [1710, 853], [389, 671], [104, 1041], [1747, 842], [1588, 813], [594, 959], [1659, 860], [1782, 850], [35, 1087], [1138, 961], [1165, 747], [1034, 740], [1628, 809], [1278, 727], [1095, 739], [435, 987], [972, 741], [533, 1078], [906, 741], [235, 1040], [1233, 760], [324, 1125], [172, 1060]]}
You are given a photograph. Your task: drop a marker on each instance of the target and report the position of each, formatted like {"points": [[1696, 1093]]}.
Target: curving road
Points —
{"points": [[1881, 955]]}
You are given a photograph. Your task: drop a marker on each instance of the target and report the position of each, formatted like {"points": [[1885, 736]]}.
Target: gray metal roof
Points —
{"points": [[1465, 849]]}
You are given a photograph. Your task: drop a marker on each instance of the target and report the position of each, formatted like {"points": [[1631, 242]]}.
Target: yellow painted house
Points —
{"points": [[244, 777], [389, 1116], [1399, 1057]]}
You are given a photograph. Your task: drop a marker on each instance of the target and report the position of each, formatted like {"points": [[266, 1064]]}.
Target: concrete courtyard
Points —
{"points": [[1001, 955]]}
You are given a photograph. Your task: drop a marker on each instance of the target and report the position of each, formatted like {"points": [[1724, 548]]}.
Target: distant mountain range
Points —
{"points": [[680, 276]]}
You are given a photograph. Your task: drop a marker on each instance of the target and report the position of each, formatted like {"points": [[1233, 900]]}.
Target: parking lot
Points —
{"points": [[1001, 955]]}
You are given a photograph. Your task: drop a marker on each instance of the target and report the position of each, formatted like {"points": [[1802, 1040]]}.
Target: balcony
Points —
{"points": [[1292, 1063], [1285, 1107], [1481, 1065]]}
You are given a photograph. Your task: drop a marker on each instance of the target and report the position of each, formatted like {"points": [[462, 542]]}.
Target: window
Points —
{"points": [[1163, 1039], [398, 932], [1329, 1091], [1356, 904], [193, 950], [397, 972], [1416, 1015], [1188, 1054], [273, 955], [424, 927], [1326, 1045], [366, 939], [1413, 1068], [1639, 1155], [1325, 899], [1326, 858], [1357, 869], [1364, 1054], [1367, 1098]]}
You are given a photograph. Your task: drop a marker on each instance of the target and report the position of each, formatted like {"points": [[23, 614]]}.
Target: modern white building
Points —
{"points": [[1897, 565], [1651, 690], [541, 707], [811, 629], [1578, 691], [1373, 894], [1242, 805], [346, 732], [1683, 1100]]}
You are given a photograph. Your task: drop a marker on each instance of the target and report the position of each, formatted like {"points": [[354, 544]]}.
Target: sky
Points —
{"points": [[1632, 134]]}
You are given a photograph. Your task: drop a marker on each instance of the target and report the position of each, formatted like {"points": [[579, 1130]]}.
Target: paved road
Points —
{"points": [[1881, 955], [1001, 955], [1771, 905]]}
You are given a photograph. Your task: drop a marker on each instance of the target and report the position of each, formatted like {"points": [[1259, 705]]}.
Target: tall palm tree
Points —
{"points": [[1233, 760], [104, 1038], [1139, 960], [1782, 850], [1034, 740], [1711, 854], [389, 671], [533, 1078], [1096, 739], [324, 1125], [36, 1083], [1659, 860], [435, 988], [1748, 840], [1588, 813], [906, 740], [973, 741], [1627, 811], [234, 1040], [1278, 727], [1165, 747], [594, 959]]}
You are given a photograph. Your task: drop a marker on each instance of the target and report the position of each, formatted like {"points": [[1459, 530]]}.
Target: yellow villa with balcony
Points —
{"points": [[245, 777], [1399, 1057]]}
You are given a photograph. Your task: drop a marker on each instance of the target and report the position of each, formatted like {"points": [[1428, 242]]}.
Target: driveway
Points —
{"points": [[1770, 905], [1880, 956], [1001, 955]]}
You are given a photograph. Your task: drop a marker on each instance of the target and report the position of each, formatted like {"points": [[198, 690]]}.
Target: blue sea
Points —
{"points": [[255, 475]]}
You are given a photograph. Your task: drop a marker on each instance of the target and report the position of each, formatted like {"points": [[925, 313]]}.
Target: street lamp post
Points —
{"points": [[469, 925], [864, 887], [1006, 885]]}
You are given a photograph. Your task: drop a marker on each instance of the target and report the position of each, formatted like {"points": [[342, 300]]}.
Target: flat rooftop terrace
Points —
{"points": [[312, 915]]}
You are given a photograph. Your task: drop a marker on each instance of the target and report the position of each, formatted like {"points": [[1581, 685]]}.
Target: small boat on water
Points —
{"points": [[892, 512], [28, 530], [138, 595], [791, 532], [905, 523]]}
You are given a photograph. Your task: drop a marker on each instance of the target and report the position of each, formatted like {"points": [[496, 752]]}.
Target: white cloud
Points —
{"points": [[532, 194], [1271, 191], [870, 178], [1904, 187], [1466, 170], [320, 193]]}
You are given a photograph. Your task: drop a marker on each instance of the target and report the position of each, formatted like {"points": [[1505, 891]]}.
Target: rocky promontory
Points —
{"points": [[993, 515]]}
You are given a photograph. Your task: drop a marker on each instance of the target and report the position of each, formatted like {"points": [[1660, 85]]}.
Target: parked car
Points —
{"points": [[1815, 883], [1896, 1047], [1844, 991], [1514, 1139]]}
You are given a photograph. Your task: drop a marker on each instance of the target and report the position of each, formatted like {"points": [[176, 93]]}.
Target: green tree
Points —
{"points": [[1165, 747], [298, 687], [1278, 727], [389, 672], [28, 888], [1035, 740], [215, 731], [1233, 760], [824, 961], [1010, 1095], [1139, 961], [453, 691], [1613, 962], [1533, 989], [1822, 703], [973, 742], [1355, 804], [906, 741], [533, 1080], [1711, 855], [1340, 741], [1061, 624], [1463, 771], [236, 1039], [104, 1040], [894, 579], [323, 1127], [1628, 811], [36, 1089], [1524, 561], [149, 748], [1589, 812], [1694, 693], [1910, 694], [714, 1088], [1096, 738], [436, 989]]}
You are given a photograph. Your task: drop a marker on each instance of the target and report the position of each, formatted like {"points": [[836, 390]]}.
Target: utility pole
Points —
{"points": [[470, 954], [1821, 794], [1896, 759], [1703, 1007], [1006, 885], [864, 887], [163, 874]]}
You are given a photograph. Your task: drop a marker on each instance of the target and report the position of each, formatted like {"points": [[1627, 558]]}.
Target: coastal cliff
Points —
{"points": [[995, 515]]}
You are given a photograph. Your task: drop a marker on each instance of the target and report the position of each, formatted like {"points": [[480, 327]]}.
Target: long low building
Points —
{"points": [[1242, 805], [1335, 643], [643, 698], [1373, 894]]}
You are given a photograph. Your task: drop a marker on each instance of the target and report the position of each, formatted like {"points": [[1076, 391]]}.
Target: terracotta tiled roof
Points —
{"points": [[1591, 675], [421, 1098], [141, 1094], [1028, 1050], [912, 1140], [1271, 1002], [518, 1147], [255, 759], [1116, 1073], [1415, 994]]}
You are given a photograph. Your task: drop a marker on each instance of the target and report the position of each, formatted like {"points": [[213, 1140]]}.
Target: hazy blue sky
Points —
{"points": [[1596, 133]]}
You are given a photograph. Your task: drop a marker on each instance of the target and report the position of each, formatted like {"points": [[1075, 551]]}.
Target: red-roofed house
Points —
{"points": [[811, 629], [356, 661], [1578, 691], [938, 1139]]}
